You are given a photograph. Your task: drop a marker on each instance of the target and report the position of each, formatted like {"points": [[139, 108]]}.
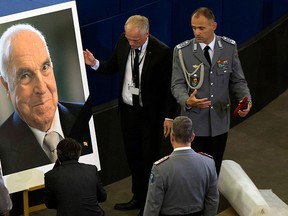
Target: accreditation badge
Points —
{"points": [[132, 89]]}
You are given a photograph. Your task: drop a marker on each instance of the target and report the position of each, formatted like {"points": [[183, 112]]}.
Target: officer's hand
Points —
{"points": [[167, 127], [244, 112], [192, 101], [89, 58]]}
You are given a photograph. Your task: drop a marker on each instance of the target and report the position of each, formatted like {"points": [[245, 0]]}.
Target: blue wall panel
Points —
{"points": [[181, 17], [100, 38], [128, 5], [278, 9], [90, 11], [242, 21]]}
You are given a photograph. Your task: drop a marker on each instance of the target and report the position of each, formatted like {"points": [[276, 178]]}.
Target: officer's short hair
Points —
{"points": [[182, 129], [206, 12], [68, 149]]}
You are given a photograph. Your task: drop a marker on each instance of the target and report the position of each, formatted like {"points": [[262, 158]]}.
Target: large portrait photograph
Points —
{"points": [[44, 95]]}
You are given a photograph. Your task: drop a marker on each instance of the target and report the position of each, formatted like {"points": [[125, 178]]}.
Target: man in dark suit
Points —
{"points": [[145, 100], [71, 187], [28, 77]]}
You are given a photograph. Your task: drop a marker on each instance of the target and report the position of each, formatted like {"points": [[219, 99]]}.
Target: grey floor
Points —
{"points": [[259, 145]]}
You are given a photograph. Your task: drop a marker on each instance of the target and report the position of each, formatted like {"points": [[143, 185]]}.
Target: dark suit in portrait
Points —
{"points": [[142, 127], [19, 149], [74, 188]]}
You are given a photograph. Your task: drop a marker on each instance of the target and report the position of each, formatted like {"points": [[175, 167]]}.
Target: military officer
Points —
{"points": [[185, 182], [201, 81]]}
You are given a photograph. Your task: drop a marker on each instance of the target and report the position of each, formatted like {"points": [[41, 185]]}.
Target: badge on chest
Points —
{"points": [[132, 89]]}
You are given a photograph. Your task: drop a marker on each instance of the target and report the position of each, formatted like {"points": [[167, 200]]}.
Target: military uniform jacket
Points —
{"points": [[225, 74], [182, 183]]}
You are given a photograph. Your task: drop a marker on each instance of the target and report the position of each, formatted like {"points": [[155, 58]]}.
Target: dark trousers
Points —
{"points": [[142, 138], [214, 146]]}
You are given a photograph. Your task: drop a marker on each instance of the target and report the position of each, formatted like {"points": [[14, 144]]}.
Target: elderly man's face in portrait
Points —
{"points": [[30, 80]]}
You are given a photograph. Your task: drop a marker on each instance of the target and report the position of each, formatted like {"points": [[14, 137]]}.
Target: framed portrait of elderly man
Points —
{"points": [[44, 93]]}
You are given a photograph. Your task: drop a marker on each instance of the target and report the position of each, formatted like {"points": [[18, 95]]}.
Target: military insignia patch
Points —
{"points": [[161, 160], [228, 40], [222, 64], [195, 81], [207, 155], [151, 178], [183, 44]]}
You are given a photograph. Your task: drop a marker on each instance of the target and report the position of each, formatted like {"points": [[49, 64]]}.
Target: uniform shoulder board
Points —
{"points": [[228, 40], [161, 160], [207, 155], [183, 44]]}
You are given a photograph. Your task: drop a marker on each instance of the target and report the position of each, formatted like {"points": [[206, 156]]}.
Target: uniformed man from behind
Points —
{"points": [[205, 70], [185, 182]]}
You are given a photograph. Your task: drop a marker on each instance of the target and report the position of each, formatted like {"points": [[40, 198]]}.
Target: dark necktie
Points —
{"points": [[206, 54], [135, 74]]}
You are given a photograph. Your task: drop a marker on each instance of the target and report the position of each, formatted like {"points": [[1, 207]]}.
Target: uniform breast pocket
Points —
{"points": [[223, 73]]}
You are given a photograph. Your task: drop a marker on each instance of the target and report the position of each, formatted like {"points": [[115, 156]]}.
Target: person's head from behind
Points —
{"points": [[182, 133], [203, 25], [68, 149], [136, 30], [27, 75]]}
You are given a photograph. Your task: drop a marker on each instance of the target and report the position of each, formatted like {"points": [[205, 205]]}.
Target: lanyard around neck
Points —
{"points": [[132, 54]]}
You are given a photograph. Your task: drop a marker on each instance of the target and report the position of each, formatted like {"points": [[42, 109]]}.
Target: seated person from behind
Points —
{"points": [[71, 187]]}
